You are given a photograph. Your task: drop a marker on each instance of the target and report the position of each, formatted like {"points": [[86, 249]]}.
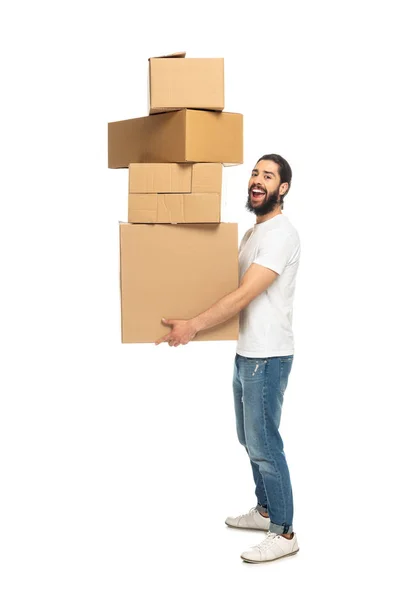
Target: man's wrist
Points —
{"points": [[195, 323]]}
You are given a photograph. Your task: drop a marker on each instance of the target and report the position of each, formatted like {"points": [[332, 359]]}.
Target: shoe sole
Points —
{"points": [[254, 562], [249, 528]]}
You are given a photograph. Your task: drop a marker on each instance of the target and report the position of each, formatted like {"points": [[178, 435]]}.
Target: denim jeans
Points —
{"points": [[258, 388]]}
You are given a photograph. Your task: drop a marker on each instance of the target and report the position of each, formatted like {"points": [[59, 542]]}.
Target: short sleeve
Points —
{"points": [[275, 250]]}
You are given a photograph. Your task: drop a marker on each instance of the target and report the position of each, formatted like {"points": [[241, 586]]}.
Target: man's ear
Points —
{"points": [[283, 188]]}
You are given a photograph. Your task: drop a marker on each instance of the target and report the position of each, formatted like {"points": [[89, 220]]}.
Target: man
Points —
{"points": [[269, 256]]}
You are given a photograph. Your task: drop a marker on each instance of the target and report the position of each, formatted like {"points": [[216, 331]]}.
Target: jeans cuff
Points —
{"points": [[262, 508], [274, 528]]}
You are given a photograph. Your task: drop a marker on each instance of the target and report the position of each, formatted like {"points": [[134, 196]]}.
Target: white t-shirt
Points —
{"points": [[266, 323]]}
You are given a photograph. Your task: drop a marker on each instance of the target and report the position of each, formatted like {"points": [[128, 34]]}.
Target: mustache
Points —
{"points": [[256, 187]]}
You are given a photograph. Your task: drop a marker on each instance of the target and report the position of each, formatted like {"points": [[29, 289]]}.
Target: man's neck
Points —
{"points": [[268, 216]]}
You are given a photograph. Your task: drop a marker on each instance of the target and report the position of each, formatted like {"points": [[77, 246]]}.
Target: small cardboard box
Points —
{"points": [[174, 208], [175, 271], [177, 82], [175, 178], [194, 136]]}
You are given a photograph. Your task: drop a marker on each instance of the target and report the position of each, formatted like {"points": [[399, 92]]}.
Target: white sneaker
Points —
{"points": [[251, 520], [272, 547]]}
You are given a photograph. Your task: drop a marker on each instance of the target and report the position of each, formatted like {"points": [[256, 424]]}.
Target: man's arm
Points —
{"points": [[255, 281]]}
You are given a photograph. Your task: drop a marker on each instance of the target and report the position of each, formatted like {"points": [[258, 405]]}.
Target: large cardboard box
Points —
{"points": [[177, 82], [182, 136], [175, 271], [174, 208], [175, 178]]}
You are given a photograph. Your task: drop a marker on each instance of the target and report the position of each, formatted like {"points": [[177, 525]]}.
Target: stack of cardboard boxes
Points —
{"points": [[177, 258]]}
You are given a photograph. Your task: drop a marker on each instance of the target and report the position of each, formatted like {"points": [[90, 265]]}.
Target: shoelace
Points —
{"points": [[251, 511], [267, 541]]}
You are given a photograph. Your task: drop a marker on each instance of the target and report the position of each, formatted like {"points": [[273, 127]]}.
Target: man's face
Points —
{"points": [[263, 188]]}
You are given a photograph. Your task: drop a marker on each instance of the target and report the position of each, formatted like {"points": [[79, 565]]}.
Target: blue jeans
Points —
{"points": [[258, 388]]}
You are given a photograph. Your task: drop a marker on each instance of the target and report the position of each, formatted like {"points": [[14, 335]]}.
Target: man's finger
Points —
{"points": [[162, 339], [169, 322]]}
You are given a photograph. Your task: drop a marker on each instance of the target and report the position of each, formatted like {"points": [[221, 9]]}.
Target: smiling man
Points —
{"points": [[269, 256]]}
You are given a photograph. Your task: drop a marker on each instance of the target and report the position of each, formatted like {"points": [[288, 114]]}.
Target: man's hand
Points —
{"points": [[181, 333]]}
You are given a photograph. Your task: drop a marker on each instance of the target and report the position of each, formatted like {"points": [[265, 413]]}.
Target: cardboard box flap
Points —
{"points": [[206, 178], [174, 55], [174, 208], [160, 178]]}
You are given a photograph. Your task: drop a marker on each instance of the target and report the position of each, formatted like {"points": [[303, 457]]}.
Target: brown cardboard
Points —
{"points": [[194, 136], [175, 271], [174, 208], [175, 178], [160, 178], [206, 178], [173, 55], [177, 82]]}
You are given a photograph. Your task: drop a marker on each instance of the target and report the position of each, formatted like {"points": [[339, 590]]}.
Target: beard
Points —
{"points": [[270, 202]]}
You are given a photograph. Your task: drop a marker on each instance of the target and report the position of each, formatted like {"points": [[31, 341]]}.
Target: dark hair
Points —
{"points": [[285, 172]]}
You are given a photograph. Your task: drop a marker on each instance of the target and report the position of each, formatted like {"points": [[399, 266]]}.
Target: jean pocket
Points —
{"points": [[253, 368], [288, 358]]}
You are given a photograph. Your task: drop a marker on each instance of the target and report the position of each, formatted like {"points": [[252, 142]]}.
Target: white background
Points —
{"points": [[120, 463]]}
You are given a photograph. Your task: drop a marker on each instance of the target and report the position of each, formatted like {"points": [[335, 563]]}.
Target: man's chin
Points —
{"points": [[260, 210]]}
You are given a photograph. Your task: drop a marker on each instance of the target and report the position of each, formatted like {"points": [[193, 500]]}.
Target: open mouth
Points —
{"points": [[257, 194]]}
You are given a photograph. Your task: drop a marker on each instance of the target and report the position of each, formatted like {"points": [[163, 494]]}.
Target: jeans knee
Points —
{"points": [[240, 430], [242, 441], [241, 436]]}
